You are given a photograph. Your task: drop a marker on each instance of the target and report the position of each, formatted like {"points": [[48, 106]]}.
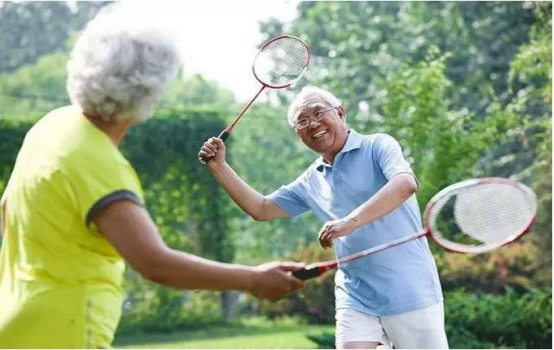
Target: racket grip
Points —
{"points": [[307, 273], [223, 136]]}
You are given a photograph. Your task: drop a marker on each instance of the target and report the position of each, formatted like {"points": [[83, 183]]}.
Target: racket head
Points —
{"points": [[478, 215], [281, 61]]}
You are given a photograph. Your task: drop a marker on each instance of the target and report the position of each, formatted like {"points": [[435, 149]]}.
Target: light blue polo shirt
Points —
{"points": [[395, 280]]}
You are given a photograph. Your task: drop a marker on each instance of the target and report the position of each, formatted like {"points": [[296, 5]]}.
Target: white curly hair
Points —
{"points": [[120, 66], [310, 96]]}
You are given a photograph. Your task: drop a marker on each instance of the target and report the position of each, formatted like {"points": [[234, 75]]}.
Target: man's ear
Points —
{"points": [[342, 113]]}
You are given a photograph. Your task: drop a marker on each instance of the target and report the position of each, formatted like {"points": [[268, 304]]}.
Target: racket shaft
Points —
{"points": [[230, 127], [381, 247], [315, 270], [225, 133]]}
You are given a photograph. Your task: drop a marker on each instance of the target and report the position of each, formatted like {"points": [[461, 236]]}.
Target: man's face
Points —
{"points": [[322, 128]]}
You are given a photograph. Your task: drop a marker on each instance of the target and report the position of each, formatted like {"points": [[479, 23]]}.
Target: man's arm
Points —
{"points": [[391, 196], [133, 233], [248, 199]]}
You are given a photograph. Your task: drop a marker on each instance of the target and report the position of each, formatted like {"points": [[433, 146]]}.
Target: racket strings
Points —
{"points": [[499, 211], [282, 61], [483, 216]]}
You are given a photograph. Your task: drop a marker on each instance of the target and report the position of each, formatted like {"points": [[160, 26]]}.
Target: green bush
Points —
{"points": [[520, 320], [316, 301], [166, 310], [488, 321], [323, 340]]}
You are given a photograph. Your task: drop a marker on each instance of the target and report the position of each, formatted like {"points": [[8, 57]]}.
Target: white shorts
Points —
{"points": [[418, 329]]}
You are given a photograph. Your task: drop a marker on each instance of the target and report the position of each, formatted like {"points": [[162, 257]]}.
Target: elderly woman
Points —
{"points": [[73, 209]]}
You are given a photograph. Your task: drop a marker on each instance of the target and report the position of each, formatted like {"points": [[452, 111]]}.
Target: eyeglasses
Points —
{"points": [[317, 117]]}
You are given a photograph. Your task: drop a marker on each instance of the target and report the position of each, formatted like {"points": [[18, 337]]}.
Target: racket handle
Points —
{"points": [[314, 270], [307, 273], [223, 136]]}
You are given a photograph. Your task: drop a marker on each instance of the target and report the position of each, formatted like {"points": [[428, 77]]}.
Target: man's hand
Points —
{"points": [[213, 148], [335, 229], [273, 280]]}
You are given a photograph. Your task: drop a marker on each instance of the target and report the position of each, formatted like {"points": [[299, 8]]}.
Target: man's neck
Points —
{"points": [[330, 156], [115, 130]]}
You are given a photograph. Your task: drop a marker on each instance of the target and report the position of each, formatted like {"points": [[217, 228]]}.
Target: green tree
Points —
{"points": [[197, 91], [531, 73], [356, 46], [33, 90], [417, 102], [29, 30]]}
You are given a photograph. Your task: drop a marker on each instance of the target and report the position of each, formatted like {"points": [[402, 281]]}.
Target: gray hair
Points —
{"points": [[308, 97], [120, 67]]}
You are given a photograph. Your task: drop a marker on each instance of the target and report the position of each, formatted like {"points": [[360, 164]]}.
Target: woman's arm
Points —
{"points": [[132, 232]]}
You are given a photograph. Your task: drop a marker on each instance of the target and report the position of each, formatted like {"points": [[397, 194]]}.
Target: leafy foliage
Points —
{"points": [[32, 91], [485, 321], [11, 137], [29, 30], [518, 266], [315, 302], [358, 45], [39, 25], [531, 72], [323, 340], [199, 92], [491, 321]]}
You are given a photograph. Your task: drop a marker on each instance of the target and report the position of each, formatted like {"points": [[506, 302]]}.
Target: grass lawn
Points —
{"points": [[249, 335]]}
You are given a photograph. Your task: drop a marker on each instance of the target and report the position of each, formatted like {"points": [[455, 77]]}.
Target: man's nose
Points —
{"points": [[314, 123]]}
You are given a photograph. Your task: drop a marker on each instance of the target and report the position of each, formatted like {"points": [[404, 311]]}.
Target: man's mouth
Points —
{"points": [[319, 134]]}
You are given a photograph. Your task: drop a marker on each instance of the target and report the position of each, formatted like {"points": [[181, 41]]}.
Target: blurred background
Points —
{"points": [[466, 87]]}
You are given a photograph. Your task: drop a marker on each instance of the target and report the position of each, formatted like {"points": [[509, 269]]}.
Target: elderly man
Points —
{"points": [[73, 209], [362, 188]]}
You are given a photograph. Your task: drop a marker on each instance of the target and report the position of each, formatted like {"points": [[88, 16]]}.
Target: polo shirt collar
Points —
{"points": [[353, 141]]}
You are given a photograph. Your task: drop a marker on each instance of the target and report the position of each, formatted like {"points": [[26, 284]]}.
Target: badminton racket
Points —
{"points": [[279, 63], [473, 216]]}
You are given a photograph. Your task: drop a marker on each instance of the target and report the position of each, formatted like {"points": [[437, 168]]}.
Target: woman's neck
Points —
{"points": [[115, 130]]}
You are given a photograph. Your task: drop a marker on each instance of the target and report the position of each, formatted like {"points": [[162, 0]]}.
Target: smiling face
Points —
{"points": [[326, 136]]}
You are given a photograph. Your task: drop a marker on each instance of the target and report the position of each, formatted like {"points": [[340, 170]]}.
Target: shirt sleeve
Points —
{"points": [[5, 194], [2, 218], [3, 210], [291, 198], [390, 159], [95, 188]]}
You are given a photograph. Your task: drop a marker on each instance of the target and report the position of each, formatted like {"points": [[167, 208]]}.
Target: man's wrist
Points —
{"points": [[354, 221], [216, 168]]}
